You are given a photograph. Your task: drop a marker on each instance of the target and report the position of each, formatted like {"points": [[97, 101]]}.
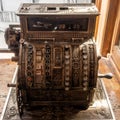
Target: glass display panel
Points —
{"points": [[57, 24]]}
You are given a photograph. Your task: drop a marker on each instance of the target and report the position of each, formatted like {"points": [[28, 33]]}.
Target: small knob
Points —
{"points": [[11, 85], [107, 75], [99, 57]]}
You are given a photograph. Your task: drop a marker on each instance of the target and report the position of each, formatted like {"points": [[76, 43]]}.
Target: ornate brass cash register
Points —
{"points": [[56, 54]]}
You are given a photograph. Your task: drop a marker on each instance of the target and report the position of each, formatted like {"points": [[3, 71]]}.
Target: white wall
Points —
{"points": [[84, 1], [51, 1], [63, 1], [12, 5]]}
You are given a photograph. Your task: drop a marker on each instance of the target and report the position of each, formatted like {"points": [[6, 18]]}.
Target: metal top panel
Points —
{"points": [[57, 9]]}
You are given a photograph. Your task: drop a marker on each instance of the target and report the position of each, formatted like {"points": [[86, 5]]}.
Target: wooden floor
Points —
{"points": [[105, 66], [112, 85], [7, 69]]}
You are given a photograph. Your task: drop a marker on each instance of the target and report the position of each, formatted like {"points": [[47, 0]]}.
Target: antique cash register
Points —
{"points": [[56, 54]]}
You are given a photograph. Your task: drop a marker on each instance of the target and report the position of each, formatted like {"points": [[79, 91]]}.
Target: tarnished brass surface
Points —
{"points": [[99, 109], [57, 55]]}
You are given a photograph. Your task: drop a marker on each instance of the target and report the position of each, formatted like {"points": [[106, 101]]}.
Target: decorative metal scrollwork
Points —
{"points": [[75, 66], [89, 65], [93, 64], [48, 66], [20, 103], [30, 66], [85, 67], [67, 67]]}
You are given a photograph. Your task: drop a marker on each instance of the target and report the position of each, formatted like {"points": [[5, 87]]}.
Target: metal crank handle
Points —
{"points": [[11, 85], [107, 75]]}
